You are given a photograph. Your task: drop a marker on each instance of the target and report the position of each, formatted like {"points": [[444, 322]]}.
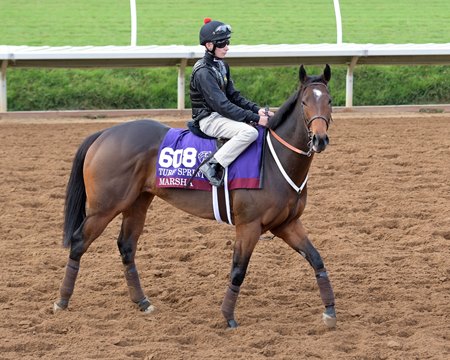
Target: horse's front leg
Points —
{"points": [[246, 238], [296, 236]]}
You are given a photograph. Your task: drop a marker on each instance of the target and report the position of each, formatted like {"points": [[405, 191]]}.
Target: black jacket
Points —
{"points": [[212, 90]]}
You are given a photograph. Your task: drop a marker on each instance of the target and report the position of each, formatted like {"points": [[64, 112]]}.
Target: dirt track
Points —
{"points": [[378, 211]]}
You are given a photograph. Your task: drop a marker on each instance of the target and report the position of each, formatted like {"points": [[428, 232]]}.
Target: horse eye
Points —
{"points": [[329, 102], [304, 103]]}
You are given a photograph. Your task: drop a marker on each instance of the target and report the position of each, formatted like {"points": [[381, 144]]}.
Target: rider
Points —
{"points": [[217, 107]]}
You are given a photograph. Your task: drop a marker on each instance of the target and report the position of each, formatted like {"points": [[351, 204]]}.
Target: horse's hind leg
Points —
{"points": [[132, 226], [296, 236], [89, 230]]}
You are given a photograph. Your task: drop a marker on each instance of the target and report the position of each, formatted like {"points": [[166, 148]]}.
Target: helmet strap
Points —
{"points": [[213, 51]]}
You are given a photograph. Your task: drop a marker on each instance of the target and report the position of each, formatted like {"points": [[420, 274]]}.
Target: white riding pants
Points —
{"points": [[241, 135]]}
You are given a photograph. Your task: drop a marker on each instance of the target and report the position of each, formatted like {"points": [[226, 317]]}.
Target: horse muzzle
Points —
{"points": [[318, 127], [319, 142]]}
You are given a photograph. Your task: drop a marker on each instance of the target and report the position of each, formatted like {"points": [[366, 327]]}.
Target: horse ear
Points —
{"points": [[327, 73], [302, 74]]}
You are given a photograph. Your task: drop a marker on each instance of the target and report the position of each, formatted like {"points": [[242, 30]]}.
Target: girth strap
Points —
{"points": [[221, 202]]}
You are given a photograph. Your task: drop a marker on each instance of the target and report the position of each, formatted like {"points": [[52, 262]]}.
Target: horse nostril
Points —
{"points": [[320, 142]]}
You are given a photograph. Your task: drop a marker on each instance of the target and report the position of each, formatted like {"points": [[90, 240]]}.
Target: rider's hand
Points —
{"points": [[262, 112], [263, 120]]}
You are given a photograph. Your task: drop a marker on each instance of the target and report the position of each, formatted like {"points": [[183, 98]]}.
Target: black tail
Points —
{"points": [[75, 205]]}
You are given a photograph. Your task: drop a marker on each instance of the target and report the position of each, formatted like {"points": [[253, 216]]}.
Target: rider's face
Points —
{"points": [[219, 53]]}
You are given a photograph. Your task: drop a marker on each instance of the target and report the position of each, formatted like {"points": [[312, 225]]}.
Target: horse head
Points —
{"points": [[316, 106]]}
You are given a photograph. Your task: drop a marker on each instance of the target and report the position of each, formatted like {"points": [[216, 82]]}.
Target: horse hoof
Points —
{"points": [[149, 309], [329, 320], [232, 324], [57, 308]]}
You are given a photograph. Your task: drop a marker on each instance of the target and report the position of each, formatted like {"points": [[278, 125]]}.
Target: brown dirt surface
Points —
{"points": [[378, 211]]}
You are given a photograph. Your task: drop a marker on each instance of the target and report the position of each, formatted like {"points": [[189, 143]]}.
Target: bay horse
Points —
{"points": [[114, 171]]}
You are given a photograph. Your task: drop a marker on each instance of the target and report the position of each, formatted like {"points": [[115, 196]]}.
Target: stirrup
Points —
{"points": [[211, 170], [214, 181]]}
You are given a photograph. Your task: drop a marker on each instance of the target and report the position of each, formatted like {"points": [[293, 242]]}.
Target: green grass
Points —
{"points": [[101, 22], [105, 22]]}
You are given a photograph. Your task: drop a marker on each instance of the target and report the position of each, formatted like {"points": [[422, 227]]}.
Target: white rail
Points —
{"points": [[239, 55]]}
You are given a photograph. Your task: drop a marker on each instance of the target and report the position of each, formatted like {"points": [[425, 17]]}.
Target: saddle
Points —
{"points": [[195, 129]]}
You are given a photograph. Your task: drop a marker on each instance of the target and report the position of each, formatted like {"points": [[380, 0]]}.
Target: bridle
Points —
{"points": [[310, 120], [307, 122]]}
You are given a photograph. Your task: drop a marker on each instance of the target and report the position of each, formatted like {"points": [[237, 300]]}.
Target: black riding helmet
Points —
{"points": [[214, 31]]}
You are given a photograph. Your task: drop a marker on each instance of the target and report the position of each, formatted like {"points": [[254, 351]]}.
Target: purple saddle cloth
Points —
{"points": [[182, 152]]}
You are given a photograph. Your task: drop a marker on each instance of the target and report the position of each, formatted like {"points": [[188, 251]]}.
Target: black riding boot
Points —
{"points": [[213, 171]]}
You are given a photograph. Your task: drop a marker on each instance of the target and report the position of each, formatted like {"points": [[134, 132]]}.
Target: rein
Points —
{"points": [[290, 147], [298, 189]]}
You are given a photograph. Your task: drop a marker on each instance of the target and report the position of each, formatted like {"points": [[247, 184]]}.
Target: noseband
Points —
{"points": [[309, 121]]}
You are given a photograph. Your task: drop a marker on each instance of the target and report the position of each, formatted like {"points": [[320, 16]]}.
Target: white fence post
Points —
{"points": [[337, 13], [133, 22], [181, 83], [349, 82], [3, 101]]}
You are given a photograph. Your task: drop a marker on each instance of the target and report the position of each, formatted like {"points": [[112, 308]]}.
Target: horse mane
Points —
{"points": [[286, 109]]}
